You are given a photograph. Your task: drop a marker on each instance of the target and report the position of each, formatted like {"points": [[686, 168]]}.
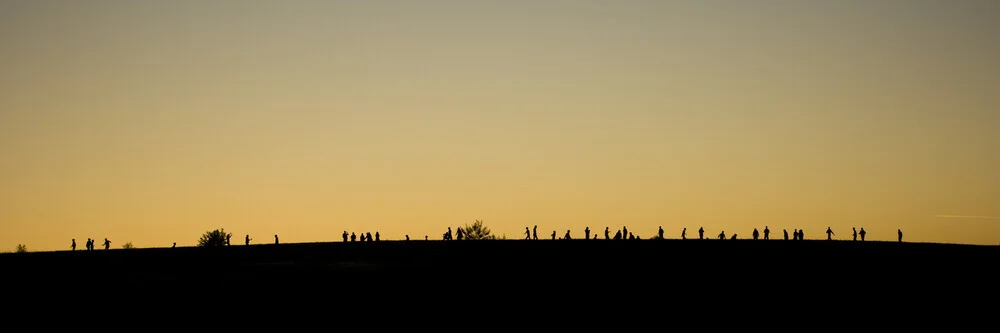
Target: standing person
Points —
{"points": [[73, 247]]}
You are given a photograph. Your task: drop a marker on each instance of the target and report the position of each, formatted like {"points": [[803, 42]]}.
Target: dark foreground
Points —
{"points": [[693, 274]]}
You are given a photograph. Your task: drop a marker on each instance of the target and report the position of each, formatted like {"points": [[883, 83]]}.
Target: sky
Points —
{"points": [[152, 122]]}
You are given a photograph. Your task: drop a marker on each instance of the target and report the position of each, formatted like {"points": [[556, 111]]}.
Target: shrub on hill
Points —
{"points": [[477, 231], [214, 238]]}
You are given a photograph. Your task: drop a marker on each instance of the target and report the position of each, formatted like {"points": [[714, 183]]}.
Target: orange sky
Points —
{"points": [[153, 122]]}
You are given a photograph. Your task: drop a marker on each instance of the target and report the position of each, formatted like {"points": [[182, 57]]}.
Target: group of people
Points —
{"points": [[623, 233], [365, 237], [532, 233], [90, 244]]}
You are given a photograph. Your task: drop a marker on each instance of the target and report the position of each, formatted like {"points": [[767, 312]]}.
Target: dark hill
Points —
{"points": [[573, 270]]}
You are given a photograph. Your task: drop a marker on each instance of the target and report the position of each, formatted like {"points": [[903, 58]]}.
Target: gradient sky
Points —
{"points": [[152, 122]]}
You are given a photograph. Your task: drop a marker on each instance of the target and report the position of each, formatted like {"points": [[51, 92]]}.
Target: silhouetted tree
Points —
{"points": [[128, 245], [477, 230], [21, 248], [214, 238]]}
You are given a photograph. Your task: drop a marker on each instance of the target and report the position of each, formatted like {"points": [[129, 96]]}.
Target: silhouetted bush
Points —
{"points": [[214, 238], [477, 231], [127, 246], [21, 248]]}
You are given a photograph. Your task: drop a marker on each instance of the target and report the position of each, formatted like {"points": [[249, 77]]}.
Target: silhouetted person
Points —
{"points": [[534, 232], [89, 244], [275, 239], [659, 234], [407, 237], [595, 236], [107, 243], [618, 235], [767, 233], [553, 234], [353, 236], [73, 247], [755, 234], [624, 231], [247, 240], [855, 234], [606, 232], [567, 235], [862, 234], [829, 233], [228, 236], [425, 237], [722, 235], [376, 236], [701, 232], [631, 236], [447, 235], [586, 233], [734, 236], [802, 234], [684, 233], [345, 236], [527, 233], [786, 233], [899, 232], [368, 237], [175, 245], [461, 233]]}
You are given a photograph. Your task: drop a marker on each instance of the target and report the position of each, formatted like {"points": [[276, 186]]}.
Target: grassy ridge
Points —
{"points": [[718, 276]]}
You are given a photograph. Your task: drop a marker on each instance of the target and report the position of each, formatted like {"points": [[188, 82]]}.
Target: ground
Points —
{"points": [[556, 272]]}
